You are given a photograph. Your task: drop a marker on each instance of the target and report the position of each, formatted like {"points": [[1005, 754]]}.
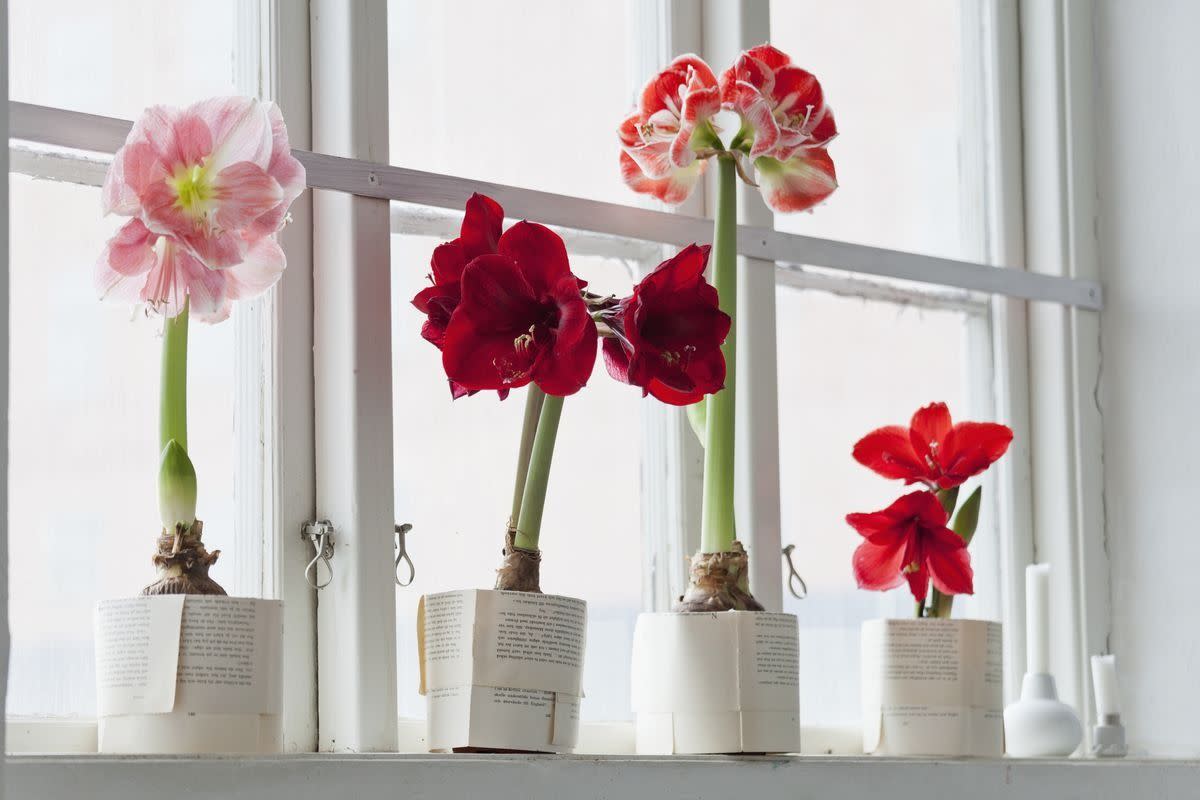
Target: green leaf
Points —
{"points": [[176, 487], [967, 518], [949, 499]]}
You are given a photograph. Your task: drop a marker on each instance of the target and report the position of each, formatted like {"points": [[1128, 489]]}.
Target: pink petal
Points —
{"points": [[287, 172], [699, 105], [243, 193], [205, 288], [218, 250], [241, 130], [653, 159], [120, 271], [262, 268], [756, 112], [135, 166], [673, 189]]}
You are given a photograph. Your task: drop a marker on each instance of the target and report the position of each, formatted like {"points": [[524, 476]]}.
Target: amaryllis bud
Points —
{"points": [[176, 488]]}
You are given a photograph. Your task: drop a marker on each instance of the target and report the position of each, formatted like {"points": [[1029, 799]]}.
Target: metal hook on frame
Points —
{"points": [[320, 535], [794, 576], [402, 555]]}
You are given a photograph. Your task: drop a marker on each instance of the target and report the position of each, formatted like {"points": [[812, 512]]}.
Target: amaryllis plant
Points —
{"points": [[207, 188], [780, 146], [506, 312], [922, 538]]}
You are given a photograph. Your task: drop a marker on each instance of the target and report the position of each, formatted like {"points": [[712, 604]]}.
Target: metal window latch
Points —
{"points": [[794, 578], [320, 535], [402, 531]]}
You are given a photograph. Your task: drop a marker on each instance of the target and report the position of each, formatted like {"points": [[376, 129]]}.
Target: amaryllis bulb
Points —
{"points": [[176, 488]]}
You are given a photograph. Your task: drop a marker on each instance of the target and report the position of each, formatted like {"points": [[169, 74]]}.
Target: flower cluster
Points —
{"points": [[207, 187], [785, 129], [506, 311], [913, 538]]}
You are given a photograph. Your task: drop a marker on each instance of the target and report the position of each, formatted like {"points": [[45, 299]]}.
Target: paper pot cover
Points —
{"points": [[932, 687], [189, 674], [502, 670], [716, 683]]}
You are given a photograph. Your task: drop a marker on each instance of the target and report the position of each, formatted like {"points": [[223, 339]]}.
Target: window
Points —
{"points": [[82, 466], [853, 351]]}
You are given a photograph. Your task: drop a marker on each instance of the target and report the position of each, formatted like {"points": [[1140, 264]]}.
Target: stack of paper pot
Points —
{"points": [[932, 687], [726, 682], [502, 670], [189, 674]]}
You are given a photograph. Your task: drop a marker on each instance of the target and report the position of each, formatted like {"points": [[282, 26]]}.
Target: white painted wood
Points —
{"points": [[320, 777], [365, 178], [289, 491], [730, 28], [672, 485], [1064, 346], [996, 38], [356, 613], [4, 638]]}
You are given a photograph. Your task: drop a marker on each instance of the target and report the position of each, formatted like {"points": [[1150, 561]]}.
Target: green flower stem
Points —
{"points": [[965, 523], [534, 398], [172, 414], [717, 527], [533, 500]]}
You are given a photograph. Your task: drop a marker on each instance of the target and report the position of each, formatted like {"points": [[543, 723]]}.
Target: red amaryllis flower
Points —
{"points": [[932, 450], [785, 127], [658, 139], [667, 335], [909, 540], [478, 236], [521, 318]]}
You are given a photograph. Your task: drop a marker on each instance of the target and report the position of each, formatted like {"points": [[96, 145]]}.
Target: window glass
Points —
{"points": [[83, 460], [133, 53], [893, 75], [886, 361], [455, 462], [528, 94]]}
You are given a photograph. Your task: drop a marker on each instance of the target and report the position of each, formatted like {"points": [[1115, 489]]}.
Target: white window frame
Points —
{"points": [[323, 450]]}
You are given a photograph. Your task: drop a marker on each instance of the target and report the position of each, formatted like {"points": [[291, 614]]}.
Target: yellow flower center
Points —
{"points": [[193, 190]]}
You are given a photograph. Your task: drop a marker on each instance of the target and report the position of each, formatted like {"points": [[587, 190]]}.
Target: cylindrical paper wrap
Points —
{"points": [[1104, 681], [1037, 618]]}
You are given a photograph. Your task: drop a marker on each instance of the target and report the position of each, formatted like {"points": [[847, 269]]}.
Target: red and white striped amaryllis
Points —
{"points": [[660, 138], [786, 126], [208, 187]]}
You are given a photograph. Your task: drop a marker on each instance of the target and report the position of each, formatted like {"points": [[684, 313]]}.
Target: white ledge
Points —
{"points": [[424, 777]]}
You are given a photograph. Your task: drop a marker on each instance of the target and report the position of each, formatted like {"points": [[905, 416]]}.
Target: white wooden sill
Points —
{"points": [[330, 777]]}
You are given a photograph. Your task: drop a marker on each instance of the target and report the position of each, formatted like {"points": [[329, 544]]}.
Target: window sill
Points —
{"points": [[630, 778]]}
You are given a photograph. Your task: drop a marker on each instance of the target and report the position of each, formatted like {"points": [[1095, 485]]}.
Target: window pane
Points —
{"points": [[83, 455], [528, 94], [888, 361], [133, 54], [893, 75], [455, 463]]}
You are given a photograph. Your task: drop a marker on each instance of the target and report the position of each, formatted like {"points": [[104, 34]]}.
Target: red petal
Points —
{"points": [[497, 296], [772, 57], [702, 71], [482, 221], [929, 426], [796, 90], [948, 561], [970, 448], [918, 584], [889, 452], [481, 359], [565, 368], [877, 567], [540, 254], [799, 183], [756, 112], [616, 360], [673, 189], [447, 263]]}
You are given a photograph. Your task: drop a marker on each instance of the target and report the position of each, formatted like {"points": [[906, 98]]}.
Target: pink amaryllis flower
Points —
{"points": [[208, 187], [909, 540], [660, 138], [786, 126]]}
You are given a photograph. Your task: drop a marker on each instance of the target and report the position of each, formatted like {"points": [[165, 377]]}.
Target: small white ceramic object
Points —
{"points": [[1039, 725]]}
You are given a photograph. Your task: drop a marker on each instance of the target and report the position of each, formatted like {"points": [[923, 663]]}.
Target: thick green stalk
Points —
{"points": [[965, 523], [533, 501], [717, 527], [534, 397], [172, 412]]}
